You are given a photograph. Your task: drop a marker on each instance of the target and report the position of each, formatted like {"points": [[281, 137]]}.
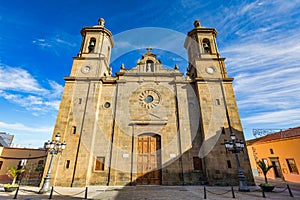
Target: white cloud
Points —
{"points": [[41, 42], [21, 100], [56, 88], [276, 118], [245, 19], [263, 55], [38, 104], [249, 7], [266, 74], [64, 42], [53, 104], [27, 136], [18, 79], [56, 43], [263, 58], [22, 127], [25, 91]]}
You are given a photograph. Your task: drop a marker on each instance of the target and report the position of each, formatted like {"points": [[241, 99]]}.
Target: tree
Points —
{"points": [[13, 173], [264, 168]]}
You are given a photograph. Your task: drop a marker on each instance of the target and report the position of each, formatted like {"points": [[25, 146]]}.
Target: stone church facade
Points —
{"points": [[147, 125]]}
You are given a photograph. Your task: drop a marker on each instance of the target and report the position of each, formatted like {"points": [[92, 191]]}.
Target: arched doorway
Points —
{"points": [[149, 160]]}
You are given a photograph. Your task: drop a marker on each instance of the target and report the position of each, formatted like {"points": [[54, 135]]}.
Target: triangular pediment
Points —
{"points": [[149, 65]]}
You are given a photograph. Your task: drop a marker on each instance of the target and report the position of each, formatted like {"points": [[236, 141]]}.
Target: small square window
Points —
{"points": [[41, 163], [271, 151], [229, 164], [292, 166], [218, 102], [74, 129], [265, 161], [22, 163], [99, 165], [79, 100], [40, 166], [67, 164], [197, 163]]}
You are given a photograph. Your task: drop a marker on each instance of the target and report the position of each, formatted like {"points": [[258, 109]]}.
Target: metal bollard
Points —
{"points": [[50, 197], [290, 191], [232, 191], [263, 193], [16, 194], [204, 192], [86, 193]]}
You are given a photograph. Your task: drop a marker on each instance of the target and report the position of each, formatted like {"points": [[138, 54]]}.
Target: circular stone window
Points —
{"points": [[86, 69], [149, 98], [210, 70], [107, 105]]}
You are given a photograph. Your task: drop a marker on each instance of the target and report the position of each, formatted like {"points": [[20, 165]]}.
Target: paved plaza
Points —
{"points": [[156, 192]]}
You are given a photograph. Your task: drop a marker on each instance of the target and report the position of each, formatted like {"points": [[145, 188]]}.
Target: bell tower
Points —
{"points": [[203, 56], [78, 115], [218, 108], [94, 56]]}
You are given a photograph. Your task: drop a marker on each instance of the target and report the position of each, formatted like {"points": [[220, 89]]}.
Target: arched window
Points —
{"points": [[206, 45], [92, 44], [74, 129], [149, 66]]}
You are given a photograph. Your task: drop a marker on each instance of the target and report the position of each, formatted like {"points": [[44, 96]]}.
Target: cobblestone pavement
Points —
{"points": [[156, 192]]}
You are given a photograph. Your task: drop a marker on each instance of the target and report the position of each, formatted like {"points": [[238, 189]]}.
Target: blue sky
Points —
{"points": [[259, 39]]}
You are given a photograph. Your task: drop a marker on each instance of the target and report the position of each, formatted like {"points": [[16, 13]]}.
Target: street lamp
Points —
{"points": [[52, 147], [236, 146]]}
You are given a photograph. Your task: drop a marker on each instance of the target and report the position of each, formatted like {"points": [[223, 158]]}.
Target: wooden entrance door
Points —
{"points": [[149, 160], [276, 168]]}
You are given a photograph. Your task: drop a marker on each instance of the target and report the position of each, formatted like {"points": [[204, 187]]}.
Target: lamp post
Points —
{"points": [[53, 148], [236, 146]]}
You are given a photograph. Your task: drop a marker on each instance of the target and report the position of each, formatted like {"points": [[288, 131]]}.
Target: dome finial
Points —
{"points": [[176, 67], [197, 23], [122, 66], [101, 22], [148, 48]]}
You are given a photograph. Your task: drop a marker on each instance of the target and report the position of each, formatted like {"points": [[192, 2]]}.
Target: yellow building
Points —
{"points": [[32, 159], [279, 149]]}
